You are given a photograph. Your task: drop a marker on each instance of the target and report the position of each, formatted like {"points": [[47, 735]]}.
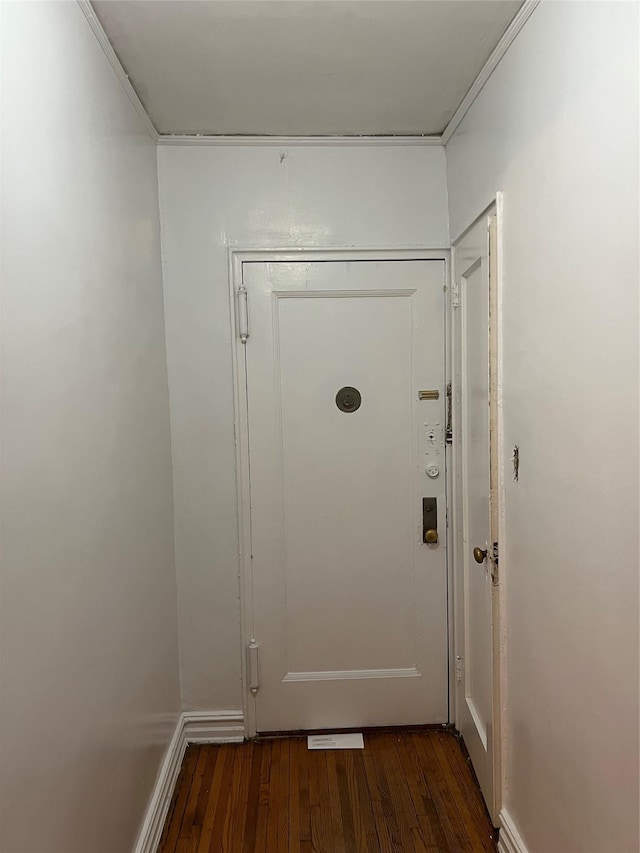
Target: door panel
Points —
{"points": [[349, 603], [475, 413], [347, 505], [474, 584]]}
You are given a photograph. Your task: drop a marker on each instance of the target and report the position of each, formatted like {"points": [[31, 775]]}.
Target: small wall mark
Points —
{"points": [[516, 462], [283, 157]]}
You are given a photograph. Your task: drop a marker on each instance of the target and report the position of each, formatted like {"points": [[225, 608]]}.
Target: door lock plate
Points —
{"points": [[430, 520]]}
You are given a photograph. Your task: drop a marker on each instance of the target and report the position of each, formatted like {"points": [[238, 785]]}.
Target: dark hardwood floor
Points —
{"points": [[407, 790]]}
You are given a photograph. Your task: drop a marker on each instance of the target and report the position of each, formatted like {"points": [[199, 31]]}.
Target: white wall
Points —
{"points": [[556, 128], [88, 621], [212, 198]]}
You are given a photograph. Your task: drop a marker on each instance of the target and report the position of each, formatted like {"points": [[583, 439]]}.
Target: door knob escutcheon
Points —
{"points": [[479, 555]]}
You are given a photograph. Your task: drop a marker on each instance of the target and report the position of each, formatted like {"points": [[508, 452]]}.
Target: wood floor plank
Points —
{"points": [[235, 823], [294, 798], [391, 799], [321, 828], [188, 843], [274, 797], [216, 802], [188, 821], [408, 790], [303, 795], [428, 818], [282, 845], [461, 766], [457, 795], [354, 840], [250, 816], [455, 832], [263, 801], [470, 808], [223, 798], [386, 829], [364, 798], [399, 789], [337, 829], [204, 795], [180, 797]]}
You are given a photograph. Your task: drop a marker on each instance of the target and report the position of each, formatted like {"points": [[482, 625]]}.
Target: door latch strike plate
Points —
{"points": [[495, 559], [459, 668]]}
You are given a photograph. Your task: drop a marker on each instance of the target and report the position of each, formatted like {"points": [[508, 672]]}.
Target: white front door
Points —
{"points": [[349, 603], [476, 524]]}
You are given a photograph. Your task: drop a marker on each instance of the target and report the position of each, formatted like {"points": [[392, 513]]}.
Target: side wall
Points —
{"points": [[556, 128], [88, 639], [211, 199]]}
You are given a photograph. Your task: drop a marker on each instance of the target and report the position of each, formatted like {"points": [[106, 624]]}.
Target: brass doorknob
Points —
{"points": [[431, 536], [479, 555]]}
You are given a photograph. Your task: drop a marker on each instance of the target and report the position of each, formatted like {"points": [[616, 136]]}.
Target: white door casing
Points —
{"points": [[348, 605], [477, 490]]}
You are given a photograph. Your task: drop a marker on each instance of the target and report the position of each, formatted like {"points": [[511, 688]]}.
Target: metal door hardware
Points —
{"points": [[243, 314], [430, 520], [495, 559], [479, 555], [348, 399], [428, 395], [449, 415], [253, 666]]}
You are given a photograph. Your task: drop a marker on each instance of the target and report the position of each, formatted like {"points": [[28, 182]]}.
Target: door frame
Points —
{"points": [[237, 257], [497, 464]]}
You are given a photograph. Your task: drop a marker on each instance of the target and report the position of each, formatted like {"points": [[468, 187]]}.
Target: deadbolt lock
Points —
{"points": [[429, 521]]}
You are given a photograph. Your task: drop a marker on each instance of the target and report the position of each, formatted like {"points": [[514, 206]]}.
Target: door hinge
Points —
{"points": [[495, 559], [455, 295], [449, 430], [243, 313], [253, 666], [459, 668]]}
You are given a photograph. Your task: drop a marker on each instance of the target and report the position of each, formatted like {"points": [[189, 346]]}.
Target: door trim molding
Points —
{"points": [[191, 727], [499, 640], [238, 256]]}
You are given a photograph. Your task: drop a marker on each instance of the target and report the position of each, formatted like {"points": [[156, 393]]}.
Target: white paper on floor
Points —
{"points": [[353, 740]]}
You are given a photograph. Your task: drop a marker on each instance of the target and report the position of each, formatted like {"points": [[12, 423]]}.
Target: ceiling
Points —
{"points": [[303, 67]]}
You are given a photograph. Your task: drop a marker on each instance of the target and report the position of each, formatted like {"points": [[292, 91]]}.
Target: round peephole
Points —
{"points": [[348, 399]]}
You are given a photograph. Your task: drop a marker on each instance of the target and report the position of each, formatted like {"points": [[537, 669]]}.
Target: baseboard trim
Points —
{"points": [[154, 818], [213, 726], [191, 727], [509, 839]]}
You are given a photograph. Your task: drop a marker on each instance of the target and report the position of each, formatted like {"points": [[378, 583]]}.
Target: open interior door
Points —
{"points": [[476, 517]]}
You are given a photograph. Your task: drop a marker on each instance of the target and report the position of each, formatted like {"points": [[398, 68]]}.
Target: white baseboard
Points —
{"points": [[213, 726], [158, 807], [192, 727], [509, 840]]}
